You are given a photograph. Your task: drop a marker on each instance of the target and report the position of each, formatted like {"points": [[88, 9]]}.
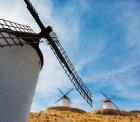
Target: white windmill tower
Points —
{"points": [[65, 99], [20, 64], [107, 103]]}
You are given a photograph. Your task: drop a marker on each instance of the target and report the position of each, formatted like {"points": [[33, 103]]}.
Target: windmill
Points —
{"points": [[65, 99], [107, 103], [20, 65]]}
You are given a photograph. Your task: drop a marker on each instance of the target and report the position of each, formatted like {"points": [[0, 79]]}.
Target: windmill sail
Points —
{"points": [[12, 34], [61, 56]]}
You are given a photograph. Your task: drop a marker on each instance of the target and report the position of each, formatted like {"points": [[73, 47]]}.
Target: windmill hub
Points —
{"points": [[45, 31]]}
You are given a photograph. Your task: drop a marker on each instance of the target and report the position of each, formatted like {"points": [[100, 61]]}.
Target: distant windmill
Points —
{"points": [[107, 103], [65, 99]]}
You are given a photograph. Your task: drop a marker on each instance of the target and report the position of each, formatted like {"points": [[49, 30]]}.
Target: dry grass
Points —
{"points": [[53, 115]]}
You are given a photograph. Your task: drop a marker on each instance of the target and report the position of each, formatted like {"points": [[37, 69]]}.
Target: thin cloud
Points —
{"points": [[96, 52], [68, 24], [129, 20]]}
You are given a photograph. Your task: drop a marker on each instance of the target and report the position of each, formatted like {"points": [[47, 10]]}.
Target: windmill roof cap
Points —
{"points": [[66, 97], [107, 100]]}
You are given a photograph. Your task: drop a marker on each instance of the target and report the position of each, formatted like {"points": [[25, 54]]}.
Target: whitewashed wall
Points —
{"points": [[19, 70], [107, 105], [65, 102]]}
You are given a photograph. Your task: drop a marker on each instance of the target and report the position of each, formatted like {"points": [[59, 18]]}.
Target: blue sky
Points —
{"points": [[102, 39]]}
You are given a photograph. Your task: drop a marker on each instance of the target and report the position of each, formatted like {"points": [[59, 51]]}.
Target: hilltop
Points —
{"points": [[65, 114]]}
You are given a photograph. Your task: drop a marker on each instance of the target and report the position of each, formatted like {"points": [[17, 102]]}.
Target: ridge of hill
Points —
{"points": [[115, 112], [60, 114], [62, 108]]}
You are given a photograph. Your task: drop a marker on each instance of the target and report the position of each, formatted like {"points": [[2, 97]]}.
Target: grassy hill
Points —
{"points": [[64, 114]]}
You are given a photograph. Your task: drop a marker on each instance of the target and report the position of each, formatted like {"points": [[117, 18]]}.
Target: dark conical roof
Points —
{"points": [[107, 100], [66, 97]]}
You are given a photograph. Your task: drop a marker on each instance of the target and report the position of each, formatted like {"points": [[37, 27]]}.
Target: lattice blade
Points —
{"points": [[8, 25], [68, 92], [61, 91], [59, 99], [13, 34], [68, 67], [104, 95], [61, 56], [115, 105]]}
